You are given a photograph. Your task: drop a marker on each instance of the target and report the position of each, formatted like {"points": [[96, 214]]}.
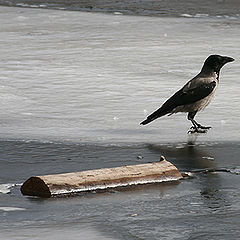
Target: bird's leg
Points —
{"points": [[196, 128]]}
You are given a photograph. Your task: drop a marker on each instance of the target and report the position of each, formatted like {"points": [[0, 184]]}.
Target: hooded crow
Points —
{"points": [[195, 95]]}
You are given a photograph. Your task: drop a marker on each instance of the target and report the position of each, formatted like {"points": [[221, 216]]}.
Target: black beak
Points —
{"points": [[228, 59]]}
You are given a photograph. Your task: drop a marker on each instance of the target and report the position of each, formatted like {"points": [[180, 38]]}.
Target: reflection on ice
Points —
{"points": [[185, 156]]}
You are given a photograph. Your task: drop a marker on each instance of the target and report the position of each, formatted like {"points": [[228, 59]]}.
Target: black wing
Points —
{"points": [[181, 98]]}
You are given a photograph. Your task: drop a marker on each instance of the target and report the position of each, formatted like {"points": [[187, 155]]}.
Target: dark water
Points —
{"points": [[163, 8], [205, 207]]}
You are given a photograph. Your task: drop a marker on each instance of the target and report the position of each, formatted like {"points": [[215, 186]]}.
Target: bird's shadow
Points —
{"points": [[186, 156]]}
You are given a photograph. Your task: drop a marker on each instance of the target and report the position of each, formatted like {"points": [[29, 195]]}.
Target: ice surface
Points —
{"points": [[6, 188], [93, 78], [9, 209]]}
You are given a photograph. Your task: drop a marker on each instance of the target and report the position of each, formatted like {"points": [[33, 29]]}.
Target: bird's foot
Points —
{"points": [[197, 130], [203, 127]]}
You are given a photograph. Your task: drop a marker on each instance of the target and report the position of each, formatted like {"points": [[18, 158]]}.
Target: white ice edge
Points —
{"points": [[9, 209], [6, 187], [88, 188]]}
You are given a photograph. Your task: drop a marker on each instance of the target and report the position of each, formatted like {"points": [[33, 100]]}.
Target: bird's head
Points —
{"points": [[216, 62]]}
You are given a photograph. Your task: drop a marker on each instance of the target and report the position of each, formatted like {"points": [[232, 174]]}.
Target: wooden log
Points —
{"points": [[70, 183]]}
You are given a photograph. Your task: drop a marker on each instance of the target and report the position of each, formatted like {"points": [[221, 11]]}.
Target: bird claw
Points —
{"points": [[204, 127], [201, 127], [196, 130]]}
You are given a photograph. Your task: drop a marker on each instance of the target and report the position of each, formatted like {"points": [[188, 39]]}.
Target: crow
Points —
{"points": [[195, 95]]}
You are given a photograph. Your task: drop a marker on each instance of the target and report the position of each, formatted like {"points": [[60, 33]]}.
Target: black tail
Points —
{"points": [[146, 121], [159, 113], [167, 107]]}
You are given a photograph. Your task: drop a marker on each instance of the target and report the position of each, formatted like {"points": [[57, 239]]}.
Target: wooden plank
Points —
{"points": [[69, 183]]}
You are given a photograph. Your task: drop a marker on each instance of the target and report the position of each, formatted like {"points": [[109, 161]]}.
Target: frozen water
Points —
{"points": [[6, 188], [94, 77], [9, 209]]}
